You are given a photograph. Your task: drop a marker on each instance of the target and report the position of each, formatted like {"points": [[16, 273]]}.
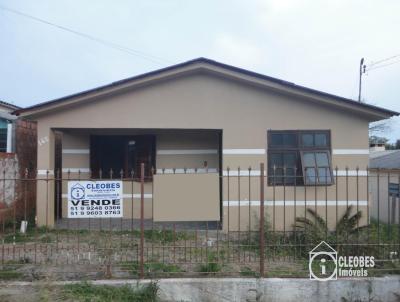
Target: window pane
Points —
{"points": [[290, 179], [307, 140], [289, 160], [324, 175], [283, 139], [276, 160], [322, 159], [321, 140], [276, 139], [393, 189], [311, 176], [3, 140], [277, 177], [289, 139], [309, 159]]}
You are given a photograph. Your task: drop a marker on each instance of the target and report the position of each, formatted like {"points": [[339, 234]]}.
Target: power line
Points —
{"points": [[384, 65], [378, 64], [137, 53], [384, 60]]}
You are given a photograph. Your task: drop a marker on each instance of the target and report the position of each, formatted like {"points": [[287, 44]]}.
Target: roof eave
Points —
{"points": [[375, 113]]}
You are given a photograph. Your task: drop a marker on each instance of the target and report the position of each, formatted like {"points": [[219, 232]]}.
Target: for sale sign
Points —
{"points": [[95, 199]]}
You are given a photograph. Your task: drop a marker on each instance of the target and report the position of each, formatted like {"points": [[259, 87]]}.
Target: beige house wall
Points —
{"points": [[244, 113], [76, 162], [186, 197]]}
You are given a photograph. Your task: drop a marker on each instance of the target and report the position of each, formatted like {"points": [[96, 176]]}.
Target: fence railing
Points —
{"points": [[267, 227]]}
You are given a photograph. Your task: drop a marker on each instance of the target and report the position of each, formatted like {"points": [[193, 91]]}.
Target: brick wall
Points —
{"points": [[17, 190]]}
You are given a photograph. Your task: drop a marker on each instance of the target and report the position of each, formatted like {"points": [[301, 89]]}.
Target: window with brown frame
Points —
{"points": [[299, 157], [120, 153]]}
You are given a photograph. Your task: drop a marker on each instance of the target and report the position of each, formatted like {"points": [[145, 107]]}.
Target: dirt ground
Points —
{"points": [[35, 293]]}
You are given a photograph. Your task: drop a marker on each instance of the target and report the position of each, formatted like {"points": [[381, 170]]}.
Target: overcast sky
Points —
{"points": [[317, 44]]}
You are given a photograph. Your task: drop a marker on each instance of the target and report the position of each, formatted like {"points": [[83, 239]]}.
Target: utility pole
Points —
{"points": [[362, 70]]}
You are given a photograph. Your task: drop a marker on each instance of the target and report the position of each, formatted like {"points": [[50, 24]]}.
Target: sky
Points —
{"points": [[317, 44]]}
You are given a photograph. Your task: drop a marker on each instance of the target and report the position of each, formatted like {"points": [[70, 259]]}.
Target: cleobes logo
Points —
{"points": [[323, 262], [77, 191]]}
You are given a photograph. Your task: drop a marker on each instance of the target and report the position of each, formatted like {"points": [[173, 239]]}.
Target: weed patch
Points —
{"points": [[89, 292]]}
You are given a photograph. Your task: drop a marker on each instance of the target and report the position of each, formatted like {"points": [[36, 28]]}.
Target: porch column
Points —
{"points": [[45, 182]]}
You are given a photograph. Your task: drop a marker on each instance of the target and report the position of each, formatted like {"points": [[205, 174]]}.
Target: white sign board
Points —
{"points": [[95, 199]]}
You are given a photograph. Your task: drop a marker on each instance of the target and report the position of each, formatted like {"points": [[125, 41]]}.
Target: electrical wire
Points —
{"points": [[384, 60], [380, 66], [137, 53]]}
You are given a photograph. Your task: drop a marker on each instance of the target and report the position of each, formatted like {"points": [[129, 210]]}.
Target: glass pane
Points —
{"points": [[393, 189], [311, 176], [307, 140], [324, 175], [308, 159], [278, 172], [321, 140], [289, 160], [289, 139], [277, 178], [322, 159], [283, 139], [290, 179], [276, 139], [276, 160]]}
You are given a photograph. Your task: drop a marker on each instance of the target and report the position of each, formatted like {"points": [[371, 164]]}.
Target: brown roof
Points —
{"points": [[382, 112], [9, 105]]}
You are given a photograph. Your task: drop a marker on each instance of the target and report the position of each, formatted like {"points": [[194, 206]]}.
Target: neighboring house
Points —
{"points": [[17, 154], [384, 180], [208, 116], [7, 127]]}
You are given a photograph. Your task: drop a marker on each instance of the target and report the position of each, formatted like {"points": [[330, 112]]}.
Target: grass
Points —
{"points": [[88, 292], [151, 268], [248, 272], [9, 274], [383, 268], [49, 235], [163, 236], [212, 265], [378, 239]]}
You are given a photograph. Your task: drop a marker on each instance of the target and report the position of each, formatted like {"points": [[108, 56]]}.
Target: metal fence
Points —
{"points": [[267, 228]]}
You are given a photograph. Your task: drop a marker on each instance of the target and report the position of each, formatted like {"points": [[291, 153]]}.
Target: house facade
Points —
{"points": [[201, 128], [7, 127]]}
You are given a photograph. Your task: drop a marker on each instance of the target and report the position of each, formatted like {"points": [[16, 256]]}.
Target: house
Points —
{"points": [[7, 127], [195, 123], [17, 153], [384, 180]]}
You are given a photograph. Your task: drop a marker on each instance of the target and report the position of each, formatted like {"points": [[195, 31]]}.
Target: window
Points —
{"points": [[394, 189], [3, 139], [283, 167], [122, 153], [300, 157], [316, 167]]}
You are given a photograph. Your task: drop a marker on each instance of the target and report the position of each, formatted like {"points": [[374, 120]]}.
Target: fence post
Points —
{"points": [[262, 220], [141, 273]]}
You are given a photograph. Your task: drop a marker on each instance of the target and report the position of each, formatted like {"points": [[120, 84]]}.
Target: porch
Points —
{"points": [[181, 177]]}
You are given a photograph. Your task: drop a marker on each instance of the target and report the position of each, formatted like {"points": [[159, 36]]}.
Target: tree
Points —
{"points": [[397, 144], [377, 140]]}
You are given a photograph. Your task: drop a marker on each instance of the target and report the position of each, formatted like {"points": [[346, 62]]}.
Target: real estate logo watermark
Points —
{"points": [[325, 264]]}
